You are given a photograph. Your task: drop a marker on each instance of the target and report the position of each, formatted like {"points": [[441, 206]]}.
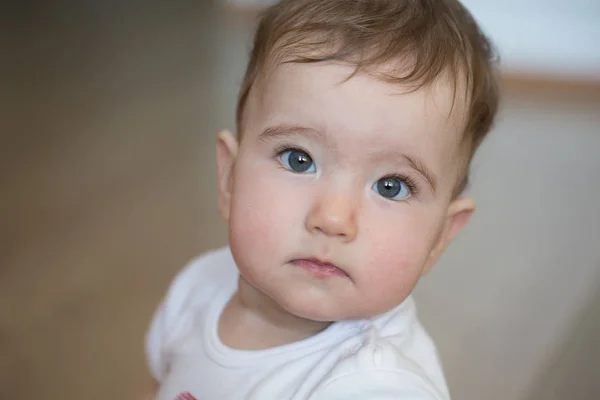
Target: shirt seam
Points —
{"points": [[423, 381]]}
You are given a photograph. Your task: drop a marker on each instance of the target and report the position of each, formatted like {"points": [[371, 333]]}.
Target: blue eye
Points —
{"points": [[297, 161], [392, 188]]}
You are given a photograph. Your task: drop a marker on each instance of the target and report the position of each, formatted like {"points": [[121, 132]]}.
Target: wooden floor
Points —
{"points": [[107, 185]]}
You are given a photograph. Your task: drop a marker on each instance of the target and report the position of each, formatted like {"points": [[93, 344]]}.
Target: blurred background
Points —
{"points": [[109, 112]]}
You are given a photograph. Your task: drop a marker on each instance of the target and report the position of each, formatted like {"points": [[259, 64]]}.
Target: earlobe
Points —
{"points": [[457, 217], [227, 149]]}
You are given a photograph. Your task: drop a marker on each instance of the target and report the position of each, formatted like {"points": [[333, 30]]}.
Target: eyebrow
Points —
{"points": [[414, 163], [277, 131], [283, 130], [423, 170]]}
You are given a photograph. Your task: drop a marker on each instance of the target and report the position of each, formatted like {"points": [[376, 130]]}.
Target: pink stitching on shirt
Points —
{"points": [[185, 396]]}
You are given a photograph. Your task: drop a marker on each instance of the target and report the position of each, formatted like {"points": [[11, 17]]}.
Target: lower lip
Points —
{"points": [[318, 269]]}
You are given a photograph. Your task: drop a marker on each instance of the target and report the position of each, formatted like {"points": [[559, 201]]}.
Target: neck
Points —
{"points": [[253, 321]]}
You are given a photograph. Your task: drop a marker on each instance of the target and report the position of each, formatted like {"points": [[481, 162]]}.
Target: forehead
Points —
{"points": [[363, 111]]}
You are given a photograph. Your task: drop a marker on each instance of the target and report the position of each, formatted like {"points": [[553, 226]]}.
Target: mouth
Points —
{"points": [[319, 268]]}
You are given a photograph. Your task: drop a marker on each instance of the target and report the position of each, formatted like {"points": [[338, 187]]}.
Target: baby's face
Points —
{"points": [[339, 195]]}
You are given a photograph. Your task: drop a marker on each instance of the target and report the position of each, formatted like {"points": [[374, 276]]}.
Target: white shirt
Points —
{"points": [[386, 357]]}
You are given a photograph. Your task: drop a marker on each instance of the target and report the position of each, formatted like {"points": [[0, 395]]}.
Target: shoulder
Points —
{"points": [[213, 264], [193, 286], [197, 278], [378, 371], [212, 267], [396, 359]]}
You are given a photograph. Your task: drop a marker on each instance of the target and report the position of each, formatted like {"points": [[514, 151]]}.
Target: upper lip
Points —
{"points": [[321, 262]]}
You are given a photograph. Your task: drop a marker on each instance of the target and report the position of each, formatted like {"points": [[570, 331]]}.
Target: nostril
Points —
{"points": [[333, 217]]}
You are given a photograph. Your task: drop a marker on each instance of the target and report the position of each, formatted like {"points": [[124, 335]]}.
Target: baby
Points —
{"points": [[357, 121]]}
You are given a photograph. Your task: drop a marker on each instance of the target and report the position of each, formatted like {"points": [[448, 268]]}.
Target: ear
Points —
{"points": [[459, 213], [227, 149]]}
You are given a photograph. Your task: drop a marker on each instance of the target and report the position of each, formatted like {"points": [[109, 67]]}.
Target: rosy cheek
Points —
{"points": [[264, 213], [392, 263], [249, 222], [392, 277], [399, 251]]}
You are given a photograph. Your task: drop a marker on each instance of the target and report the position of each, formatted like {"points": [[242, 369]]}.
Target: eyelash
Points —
{"points": [[283, 148], [410, 183]]}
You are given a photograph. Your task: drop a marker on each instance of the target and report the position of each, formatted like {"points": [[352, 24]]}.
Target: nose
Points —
{"points": [[333, 214]]}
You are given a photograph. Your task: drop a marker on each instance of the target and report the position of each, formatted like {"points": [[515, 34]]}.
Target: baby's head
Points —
{"points": [[357, 121]]}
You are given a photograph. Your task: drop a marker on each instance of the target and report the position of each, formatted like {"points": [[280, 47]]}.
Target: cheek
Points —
{"points": [[398, 252], [265, 213]]}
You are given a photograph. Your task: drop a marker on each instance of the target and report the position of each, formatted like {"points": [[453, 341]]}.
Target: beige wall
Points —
{"points": [[509, 293], [573, 373]]}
